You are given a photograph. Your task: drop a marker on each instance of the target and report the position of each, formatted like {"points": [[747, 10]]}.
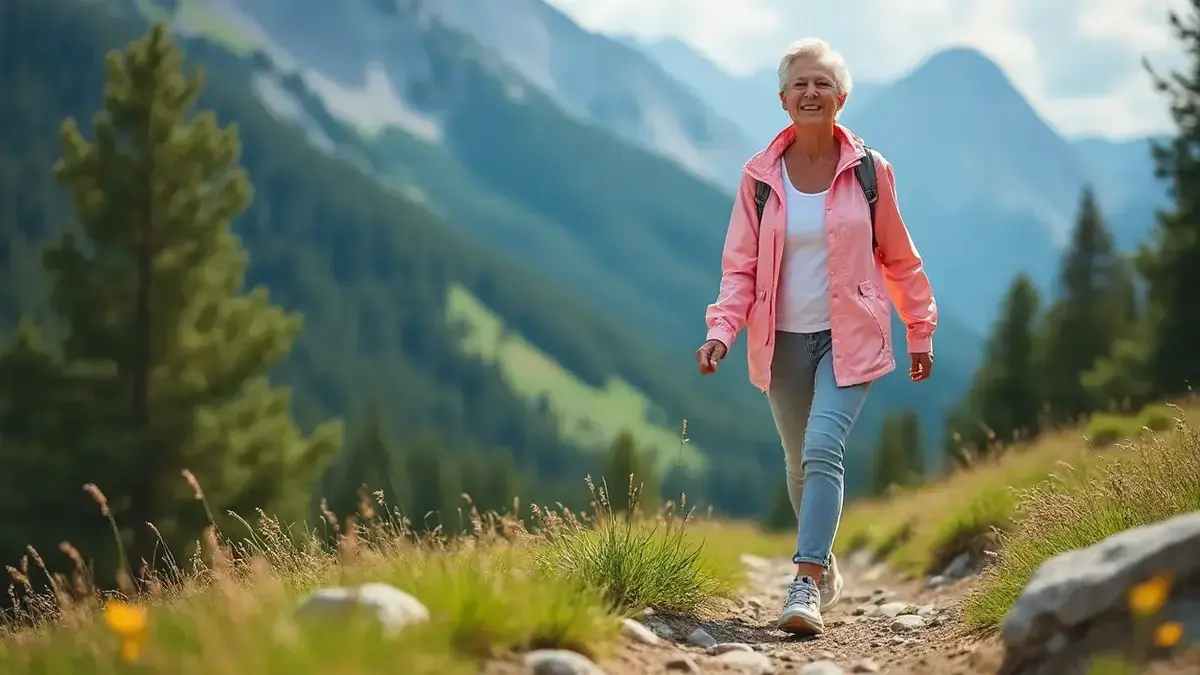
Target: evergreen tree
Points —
{"points": [[371, 461], [1171, 262], [1089, 316], [164, 363], [1005, 398], [624, 461], [900, 459], [435, 487]]}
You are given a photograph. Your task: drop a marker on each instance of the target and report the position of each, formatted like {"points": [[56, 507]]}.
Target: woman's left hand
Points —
{"points": [[922, 366]]}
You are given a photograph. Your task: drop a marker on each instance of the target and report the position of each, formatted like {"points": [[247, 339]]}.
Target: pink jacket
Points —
{"points": [[859, 312]]}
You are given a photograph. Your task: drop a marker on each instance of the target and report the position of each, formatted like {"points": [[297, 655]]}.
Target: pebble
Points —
{"points": [[865, 666], [926, 610], [897, 641], [755, 663], [661, 629], [638, 631], [866, 610], [823, 667], [682, 663], [723, 647], [893, 609], [701, 638], [907, 623], [936, 581], [391, 607], [560, 662]]}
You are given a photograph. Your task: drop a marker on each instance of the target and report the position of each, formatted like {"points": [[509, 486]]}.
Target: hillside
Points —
{"points": [[371, 272], [513, 178]]}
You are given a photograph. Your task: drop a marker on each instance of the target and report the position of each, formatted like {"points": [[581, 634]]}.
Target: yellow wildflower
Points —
{"points": [[1168, 634], [128, 623], [1149, 596]]}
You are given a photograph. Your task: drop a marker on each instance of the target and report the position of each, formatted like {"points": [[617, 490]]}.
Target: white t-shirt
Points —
{"points": [[802, 300]]}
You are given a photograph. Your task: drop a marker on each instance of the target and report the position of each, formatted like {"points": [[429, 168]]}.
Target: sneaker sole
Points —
{"points": [[799, 624]]}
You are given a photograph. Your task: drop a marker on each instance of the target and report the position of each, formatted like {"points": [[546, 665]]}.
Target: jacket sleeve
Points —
{"points": [[903, 269], [739, 264]]}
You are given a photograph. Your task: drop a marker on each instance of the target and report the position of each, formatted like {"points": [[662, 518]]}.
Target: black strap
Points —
{"points": [[864, 171]]}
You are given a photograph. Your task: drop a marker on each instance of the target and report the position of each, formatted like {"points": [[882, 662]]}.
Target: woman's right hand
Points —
{"points": [[709, 355]]}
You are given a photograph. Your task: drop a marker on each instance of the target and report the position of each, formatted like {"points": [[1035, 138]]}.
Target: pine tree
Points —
{"points": [[1005, 396], [1089, 316], [164, 363], [624, 461], [1171, 262], [371, 461], [899, 459]]}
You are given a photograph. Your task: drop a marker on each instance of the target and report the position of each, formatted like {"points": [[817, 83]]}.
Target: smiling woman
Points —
{"points": [[814, 239]]}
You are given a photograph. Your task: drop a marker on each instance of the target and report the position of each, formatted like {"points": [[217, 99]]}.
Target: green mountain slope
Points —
{"points": [[371, 272]]}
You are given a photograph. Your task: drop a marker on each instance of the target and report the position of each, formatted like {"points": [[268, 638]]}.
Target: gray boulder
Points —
{"points": [[1075, 606]]}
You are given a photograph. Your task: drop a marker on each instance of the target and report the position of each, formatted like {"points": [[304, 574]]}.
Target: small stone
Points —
{"points": [[907, 623], [893, 609], [637, 631], [560, 662], [391, 607], [661, 629], [755, 663], [938, 620], [649, 611], [723, 647], [823, 667], [867, 610], [926, 610], [755, 603], [785, 656], [897, 641], [682, 663], [865, 666], [936, 581], [827, 656], [701, 638], [958, 568]]}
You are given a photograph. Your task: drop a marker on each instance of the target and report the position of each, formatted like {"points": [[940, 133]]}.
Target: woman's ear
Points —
{"points": [[841, 99]]}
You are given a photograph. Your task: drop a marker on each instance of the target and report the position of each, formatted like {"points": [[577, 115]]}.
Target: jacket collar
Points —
{"points": [[764, 165]]}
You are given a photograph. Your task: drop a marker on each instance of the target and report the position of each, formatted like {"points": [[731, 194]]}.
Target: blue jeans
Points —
{"points": [[814, 417]]}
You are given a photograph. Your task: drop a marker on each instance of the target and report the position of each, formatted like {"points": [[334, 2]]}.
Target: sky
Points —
{"points": [[1077, 61]]}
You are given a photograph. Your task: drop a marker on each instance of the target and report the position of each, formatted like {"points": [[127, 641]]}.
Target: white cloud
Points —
{"points": [[1078, 61]]}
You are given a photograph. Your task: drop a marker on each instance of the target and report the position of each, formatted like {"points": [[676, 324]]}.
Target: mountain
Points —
{"points": [[750, 101], [1122, 173], [394, 299], [592, 77], [989, 188]]}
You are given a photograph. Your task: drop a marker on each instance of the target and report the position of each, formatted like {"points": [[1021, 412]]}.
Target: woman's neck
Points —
{"points": [[814, 142]]}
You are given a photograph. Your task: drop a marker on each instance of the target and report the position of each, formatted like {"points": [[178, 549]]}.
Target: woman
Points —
{"points": [[807, 283]]}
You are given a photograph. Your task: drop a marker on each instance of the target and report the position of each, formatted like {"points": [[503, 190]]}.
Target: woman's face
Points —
{"points": [[810, 94]]}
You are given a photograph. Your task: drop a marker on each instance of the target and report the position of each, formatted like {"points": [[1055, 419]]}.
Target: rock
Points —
{"points": [[926, 611], [752, 662], [682, 663], [865, 666], [823, 667], [897, 641], [637, 631], [879, 596], [959, 568], [661, 629], [907, 623], [723, 647], [936, 581], [391, 607], [701, 638], [560, 662], [893, 609], [1075, 605], [866, 610]]}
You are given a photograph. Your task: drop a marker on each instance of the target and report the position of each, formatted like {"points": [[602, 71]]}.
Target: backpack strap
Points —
{"points": [[865, 172], [762, 192]]}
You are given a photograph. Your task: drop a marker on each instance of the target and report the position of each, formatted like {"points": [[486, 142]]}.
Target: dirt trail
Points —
{"points": [[858, 637]]}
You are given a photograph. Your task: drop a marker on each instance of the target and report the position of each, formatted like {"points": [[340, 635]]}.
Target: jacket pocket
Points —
{"points": [[869, 299]]}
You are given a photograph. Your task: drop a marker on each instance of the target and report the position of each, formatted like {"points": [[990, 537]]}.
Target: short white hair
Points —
{"points": [[820, 50]]}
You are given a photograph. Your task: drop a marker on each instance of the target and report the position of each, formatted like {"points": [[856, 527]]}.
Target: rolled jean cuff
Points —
{"points": [[801, 560]]}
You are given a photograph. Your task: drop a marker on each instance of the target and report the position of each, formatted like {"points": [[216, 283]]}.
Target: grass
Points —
{"points": [[1144, 481], [921, 529], [589, 417], [563, 580]]}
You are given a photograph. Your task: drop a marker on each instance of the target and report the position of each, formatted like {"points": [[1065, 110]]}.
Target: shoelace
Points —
{"points": [[803, 592]]}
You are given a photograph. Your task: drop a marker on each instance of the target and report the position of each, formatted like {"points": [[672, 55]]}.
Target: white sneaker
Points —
{"points": [[802, 610], [831, 585]]}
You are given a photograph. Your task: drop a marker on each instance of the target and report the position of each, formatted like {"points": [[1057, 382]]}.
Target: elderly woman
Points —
{"points": [[814, 238]]}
